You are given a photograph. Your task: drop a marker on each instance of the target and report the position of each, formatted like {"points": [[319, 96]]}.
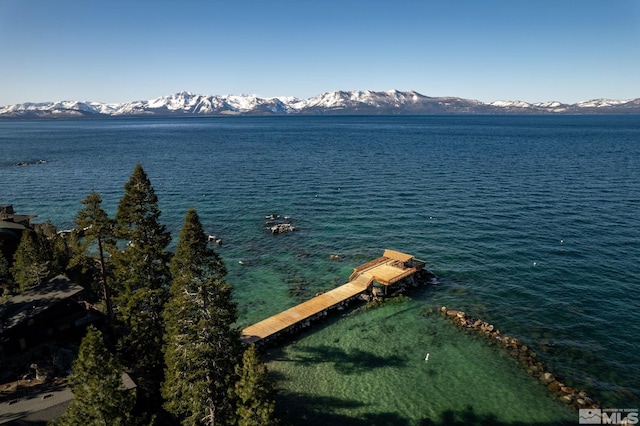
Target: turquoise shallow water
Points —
{"points": [[370, 368], [531, 222]]}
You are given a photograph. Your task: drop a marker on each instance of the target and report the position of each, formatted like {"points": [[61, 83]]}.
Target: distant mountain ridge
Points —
{"points": [[328, 103]]}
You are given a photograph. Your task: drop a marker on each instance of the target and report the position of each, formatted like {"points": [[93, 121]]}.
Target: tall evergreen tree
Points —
{"points": [[202, 347], [99, 231], [32, 260], [5, 273], [59, 254], [142, 275], [98, 395], [81, 267], [254, 391]]}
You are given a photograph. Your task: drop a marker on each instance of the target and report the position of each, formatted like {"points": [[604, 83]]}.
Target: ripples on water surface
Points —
{"points": [[531, 222]]}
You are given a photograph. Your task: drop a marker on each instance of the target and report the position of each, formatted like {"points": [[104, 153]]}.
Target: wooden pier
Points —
{"points": [[392, 267]]}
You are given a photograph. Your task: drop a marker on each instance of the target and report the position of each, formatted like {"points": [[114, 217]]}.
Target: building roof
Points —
{"points": [[32, 302], [396, 255], [7, 214], [4, 224]]}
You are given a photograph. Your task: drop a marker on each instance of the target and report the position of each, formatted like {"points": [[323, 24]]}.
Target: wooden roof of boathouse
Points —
{"points": [[396, 255], [390, 268]]}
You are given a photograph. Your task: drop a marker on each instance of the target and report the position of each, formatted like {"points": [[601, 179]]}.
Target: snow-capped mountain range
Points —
{"points": [[337, 102]]}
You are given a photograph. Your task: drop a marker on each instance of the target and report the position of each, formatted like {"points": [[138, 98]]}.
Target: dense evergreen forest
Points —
{"points": [[168, 318]]}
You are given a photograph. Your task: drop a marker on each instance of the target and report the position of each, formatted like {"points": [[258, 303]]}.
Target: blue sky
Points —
{"points": [[117, 51]]}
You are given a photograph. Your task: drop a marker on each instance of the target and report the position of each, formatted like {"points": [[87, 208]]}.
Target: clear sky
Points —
{"points": [[118, 51]]}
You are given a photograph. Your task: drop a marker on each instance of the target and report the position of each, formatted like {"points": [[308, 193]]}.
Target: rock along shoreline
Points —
{"points": [[577, 398]]}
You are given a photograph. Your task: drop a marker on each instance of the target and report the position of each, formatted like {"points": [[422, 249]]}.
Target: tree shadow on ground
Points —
{"points": [[355, 361], [300, 409], [468, 417]]}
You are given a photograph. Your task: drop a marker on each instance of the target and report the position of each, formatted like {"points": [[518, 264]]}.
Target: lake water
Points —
{"points": [[530, 222]]}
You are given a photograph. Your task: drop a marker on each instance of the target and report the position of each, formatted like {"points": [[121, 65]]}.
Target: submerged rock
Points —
{"points": [[566, 389], [547, 378], [555, 386], [567, 399]]}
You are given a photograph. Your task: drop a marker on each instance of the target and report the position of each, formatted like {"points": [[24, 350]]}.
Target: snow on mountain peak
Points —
{"points": [[549, 104], [510, 104], [600, 103], [336, 102]]}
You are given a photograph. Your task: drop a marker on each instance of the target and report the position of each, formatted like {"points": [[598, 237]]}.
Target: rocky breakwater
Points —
{"points": [[528, 358]]}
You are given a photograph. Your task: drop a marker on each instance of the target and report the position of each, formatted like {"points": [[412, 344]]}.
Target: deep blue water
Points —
{"points": [[531, 222]]}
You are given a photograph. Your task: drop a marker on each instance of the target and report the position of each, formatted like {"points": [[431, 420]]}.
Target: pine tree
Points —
{"points": [[81, 268], [202, 347], [5, 273], [142, 275], [58, 252], [31, 262], [60, 256], [254, 390], [98, 395], [99, 230]]}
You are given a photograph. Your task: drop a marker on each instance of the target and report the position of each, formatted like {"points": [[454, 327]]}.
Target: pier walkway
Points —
{"points": [[386, 270]]}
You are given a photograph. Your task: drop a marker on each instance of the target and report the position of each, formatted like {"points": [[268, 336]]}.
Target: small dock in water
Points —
{"points": [[392, 267]]}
